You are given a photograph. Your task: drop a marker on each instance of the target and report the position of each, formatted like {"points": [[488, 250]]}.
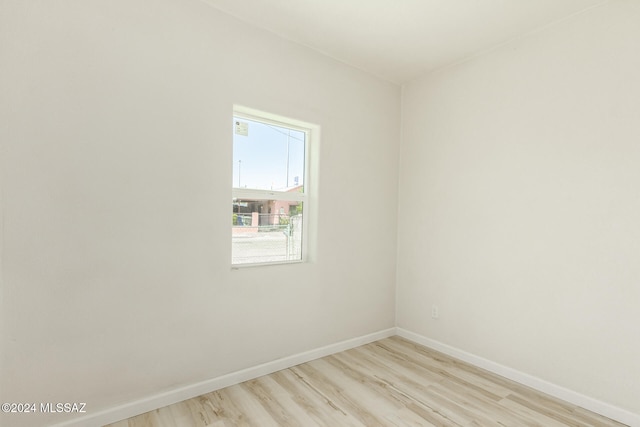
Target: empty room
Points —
{"points": [[319, 213]]}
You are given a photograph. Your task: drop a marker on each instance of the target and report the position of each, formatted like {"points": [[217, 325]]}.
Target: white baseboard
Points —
{"points": [[594, 405], [151, 403]]}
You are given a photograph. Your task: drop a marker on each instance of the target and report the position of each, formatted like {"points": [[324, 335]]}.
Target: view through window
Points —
{"points": [[269, 195]]}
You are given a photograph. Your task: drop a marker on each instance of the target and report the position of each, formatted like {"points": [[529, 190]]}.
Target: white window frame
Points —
{"points": [[310, 132]]}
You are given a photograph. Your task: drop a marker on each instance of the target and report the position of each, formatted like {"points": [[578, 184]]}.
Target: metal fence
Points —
{"points": [[269, 242], [241, 220], [246, 219]]}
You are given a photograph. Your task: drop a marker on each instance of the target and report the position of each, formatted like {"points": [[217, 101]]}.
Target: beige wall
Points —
{"points": [[116, 196], [525, 166]]}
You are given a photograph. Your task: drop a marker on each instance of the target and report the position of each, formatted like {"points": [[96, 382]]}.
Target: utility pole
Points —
{"points": [[288, 137]]}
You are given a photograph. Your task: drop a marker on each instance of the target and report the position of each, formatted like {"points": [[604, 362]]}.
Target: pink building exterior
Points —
{"points": [[264, 212]]}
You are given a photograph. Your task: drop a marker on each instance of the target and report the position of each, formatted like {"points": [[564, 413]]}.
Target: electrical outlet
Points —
{"points": [[434, 311]]}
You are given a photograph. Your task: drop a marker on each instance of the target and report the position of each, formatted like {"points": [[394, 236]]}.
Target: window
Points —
{"points": [[270, 191]]}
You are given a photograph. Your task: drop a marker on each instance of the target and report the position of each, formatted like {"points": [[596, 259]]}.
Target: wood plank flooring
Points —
{"points": [[391, 382]]}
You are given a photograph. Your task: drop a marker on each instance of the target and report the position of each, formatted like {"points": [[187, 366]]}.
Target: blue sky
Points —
{"points": [[260, 158]]}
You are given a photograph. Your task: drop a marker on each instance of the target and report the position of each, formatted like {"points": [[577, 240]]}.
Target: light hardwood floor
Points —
{"points": [[391, 382]]}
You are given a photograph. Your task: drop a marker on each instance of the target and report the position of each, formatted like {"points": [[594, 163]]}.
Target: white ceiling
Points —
{"points": [[399, 40]]}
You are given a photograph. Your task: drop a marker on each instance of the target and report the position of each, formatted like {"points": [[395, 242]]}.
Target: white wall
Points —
{"points": [[520, 205], [116, 185]]}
